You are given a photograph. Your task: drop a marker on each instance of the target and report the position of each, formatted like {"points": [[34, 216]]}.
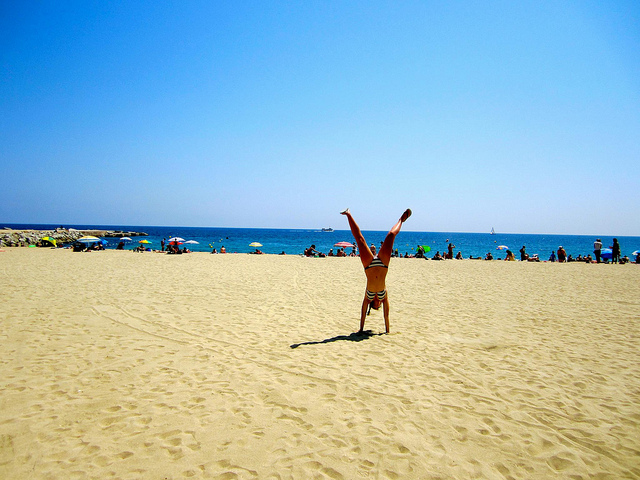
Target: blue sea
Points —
{"points": [[294, 241]]}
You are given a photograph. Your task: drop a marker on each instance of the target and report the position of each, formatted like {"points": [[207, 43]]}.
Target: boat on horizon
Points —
{"points": [[328, 229], [493, 232]]}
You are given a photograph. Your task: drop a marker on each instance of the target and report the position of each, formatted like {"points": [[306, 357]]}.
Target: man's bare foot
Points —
{"points": [[345, 212], [405, 215]]}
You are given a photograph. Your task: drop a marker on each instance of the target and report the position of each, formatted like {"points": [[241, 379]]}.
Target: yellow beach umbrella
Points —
{"points": [[144, 241], [52, 241], [255, 244]]}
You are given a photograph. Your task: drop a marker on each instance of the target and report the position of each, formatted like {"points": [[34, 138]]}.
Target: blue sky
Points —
{"points": [[523, 116]]}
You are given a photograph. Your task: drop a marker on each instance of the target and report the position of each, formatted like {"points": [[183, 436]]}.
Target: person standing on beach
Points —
{"points": [[375, 267], [162, 245], [523, 254], [450, 251], [615, 251], [597, 249]]}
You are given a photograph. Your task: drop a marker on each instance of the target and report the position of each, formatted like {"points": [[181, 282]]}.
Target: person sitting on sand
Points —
{"points": [[437, 256], [562, 254], [375, 268], [510, 257], [311, 251], [488, 256]]}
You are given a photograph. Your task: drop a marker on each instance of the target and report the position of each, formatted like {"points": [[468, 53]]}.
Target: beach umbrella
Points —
{"points": [[52, 241], [255, 244], [126, 239], [426, 248], [144, 241], [606, 253], [192, 242], [637, 252], [344, 245], [88, 239], [502, 247], [176, 239]]}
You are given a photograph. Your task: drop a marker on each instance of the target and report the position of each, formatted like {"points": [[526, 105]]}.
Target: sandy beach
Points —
{"points": [[122, 365]]}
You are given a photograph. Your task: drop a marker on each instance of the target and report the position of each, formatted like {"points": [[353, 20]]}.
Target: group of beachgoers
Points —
{"points": [[559, 256], [312, 252], [81, 247]]}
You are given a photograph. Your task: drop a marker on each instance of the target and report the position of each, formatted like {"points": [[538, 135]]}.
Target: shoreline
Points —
{"points": [[295, 242], [430, 260]]}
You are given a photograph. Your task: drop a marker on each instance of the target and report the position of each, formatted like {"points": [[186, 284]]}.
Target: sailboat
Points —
{"points": [[493, 232]]}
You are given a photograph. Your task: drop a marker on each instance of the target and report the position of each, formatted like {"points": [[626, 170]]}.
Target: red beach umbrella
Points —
{"points": [[344, 245]]}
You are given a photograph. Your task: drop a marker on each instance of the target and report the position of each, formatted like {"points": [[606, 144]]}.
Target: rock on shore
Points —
{"points": [[17, 238]]}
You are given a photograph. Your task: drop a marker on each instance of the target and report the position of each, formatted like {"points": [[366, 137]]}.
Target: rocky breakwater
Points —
{"points": [[24, 238]]}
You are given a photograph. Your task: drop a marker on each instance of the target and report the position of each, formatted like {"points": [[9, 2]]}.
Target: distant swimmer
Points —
{"points": [[375, 267]]}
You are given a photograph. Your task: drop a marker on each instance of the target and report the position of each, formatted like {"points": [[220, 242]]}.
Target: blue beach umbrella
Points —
{"points": [[606, 253]]}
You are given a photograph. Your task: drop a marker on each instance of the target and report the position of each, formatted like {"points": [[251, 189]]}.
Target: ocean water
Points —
{"points": [[294, 241]]}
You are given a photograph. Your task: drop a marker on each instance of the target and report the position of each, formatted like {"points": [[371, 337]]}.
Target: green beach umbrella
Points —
{"points": [[426, 248]]}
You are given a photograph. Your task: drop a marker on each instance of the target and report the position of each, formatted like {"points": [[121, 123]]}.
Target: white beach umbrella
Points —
{"points": [[193, 242], [88, 239]]}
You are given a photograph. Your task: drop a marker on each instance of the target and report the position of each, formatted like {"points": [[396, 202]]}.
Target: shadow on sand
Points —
{"points": [[354, 337]]}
